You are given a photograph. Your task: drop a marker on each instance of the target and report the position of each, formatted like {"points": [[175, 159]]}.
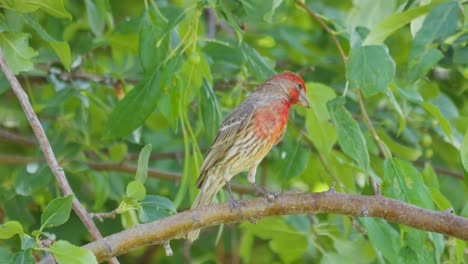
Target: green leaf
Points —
{"points": [[280, 236], [395, 21], [53, 7], [17, 52], [5, 255], [169, 99], [269, 15], [383, 237], [173, 22], [96, 19], [320, 131], [350, 136], [57, 212], [209, 109], [440, 23], [117, 152], [60, 48], [152, 32], [28, 242], [439, 199], [422, 63], [65, 252], [438, 242], [23, 257], [397, 148], [403, 181], [10, 229], [256, 64], [282, 246], [464, 151], [142, 170], [141, 100], [411, 94], [129, 218], [292, 161], [368, 12], [460, 250], [444, 123], [231, 20], [27, 183], [396, 105], [430, 177], [370, 68], [415, 252], [155, 207], [136, 190]]}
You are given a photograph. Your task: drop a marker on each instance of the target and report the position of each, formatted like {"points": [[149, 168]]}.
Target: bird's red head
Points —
{"points": [[294, 86]]}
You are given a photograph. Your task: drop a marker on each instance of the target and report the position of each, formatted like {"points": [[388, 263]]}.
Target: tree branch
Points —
{"points": [[441, 170], [17, 139], [176, 226], [47, 149]]}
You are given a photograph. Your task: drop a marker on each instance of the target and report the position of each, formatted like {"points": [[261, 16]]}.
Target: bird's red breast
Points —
{"points": [[271, 120]]}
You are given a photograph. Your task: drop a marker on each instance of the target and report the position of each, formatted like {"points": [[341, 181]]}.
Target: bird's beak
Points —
{"points": [[303, 99]]}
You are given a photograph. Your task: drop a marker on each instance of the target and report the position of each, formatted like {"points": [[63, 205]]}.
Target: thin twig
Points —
{"points": [[176, 226], [323, 160], [358, 226], [122, 167], [165, 175], [16, 139], [210, 22], [47, 149], [440, 169], [325, 26], [101, 216], [30, 142], [367, 120]]}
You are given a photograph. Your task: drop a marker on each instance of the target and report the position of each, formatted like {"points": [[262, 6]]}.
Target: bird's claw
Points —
{"points": [[271, 196], [237, 204]]}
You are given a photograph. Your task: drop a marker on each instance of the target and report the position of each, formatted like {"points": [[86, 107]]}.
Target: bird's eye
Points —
{"points": [[299, 86]]}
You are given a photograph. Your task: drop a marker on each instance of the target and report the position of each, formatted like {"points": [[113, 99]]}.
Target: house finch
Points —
{"points": [[246, 136]]}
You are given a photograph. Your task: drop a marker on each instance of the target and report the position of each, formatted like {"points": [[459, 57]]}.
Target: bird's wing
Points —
{"points": [[235, 122]]}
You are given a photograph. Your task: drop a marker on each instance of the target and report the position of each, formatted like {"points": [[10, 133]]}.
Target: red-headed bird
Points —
{"points": [[246, 136]]}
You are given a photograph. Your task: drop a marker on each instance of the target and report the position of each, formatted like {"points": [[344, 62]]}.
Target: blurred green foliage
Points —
{"points": [[107, 78]]}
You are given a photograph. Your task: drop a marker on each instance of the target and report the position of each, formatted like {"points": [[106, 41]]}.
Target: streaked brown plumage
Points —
{"points": [[246, 136]]}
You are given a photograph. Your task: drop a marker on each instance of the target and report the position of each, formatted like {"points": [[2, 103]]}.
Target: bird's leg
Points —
{"points": [[271, 196], [232, 201]]}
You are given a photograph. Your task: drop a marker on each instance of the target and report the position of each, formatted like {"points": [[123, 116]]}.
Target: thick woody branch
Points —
{"points": [[174, 227], [47, 149]]}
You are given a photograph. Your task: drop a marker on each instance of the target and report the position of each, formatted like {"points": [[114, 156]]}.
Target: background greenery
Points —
{"points": [[109, 77]]}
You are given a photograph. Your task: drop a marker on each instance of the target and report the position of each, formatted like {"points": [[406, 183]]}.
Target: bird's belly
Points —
{"points": [[246, 156]]}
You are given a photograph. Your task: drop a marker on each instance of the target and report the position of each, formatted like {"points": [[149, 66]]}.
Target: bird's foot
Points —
{"points": [[233, 203], [271, 196]]}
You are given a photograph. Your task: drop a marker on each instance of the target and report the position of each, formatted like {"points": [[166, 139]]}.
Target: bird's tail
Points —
{"points": [[208, 190]]}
